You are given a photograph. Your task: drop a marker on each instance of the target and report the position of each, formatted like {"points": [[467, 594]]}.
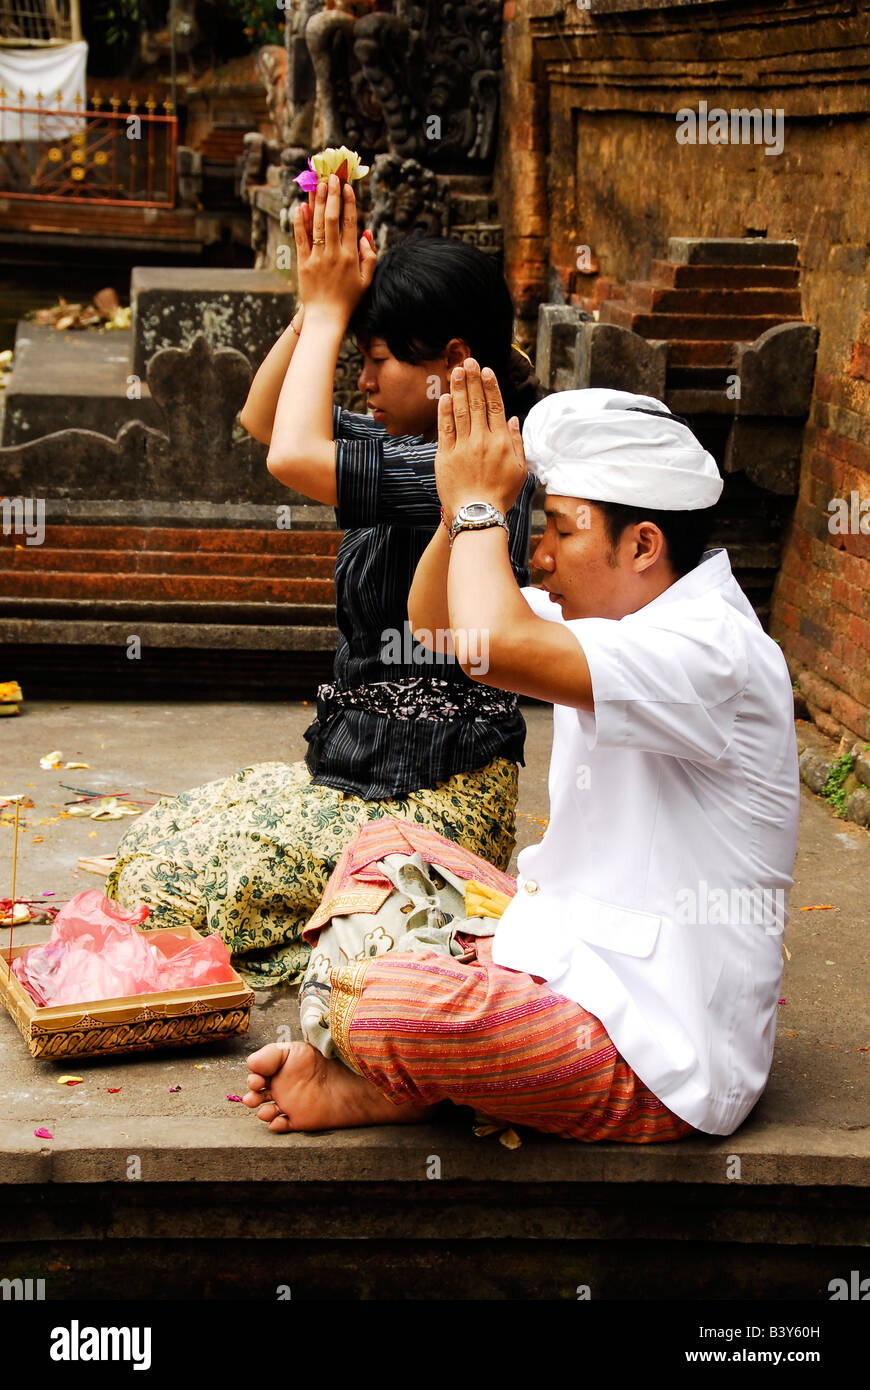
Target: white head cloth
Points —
{"points": [[590, 444]]}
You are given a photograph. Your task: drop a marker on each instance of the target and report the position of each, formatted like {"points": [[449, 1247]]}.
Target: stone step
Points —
{"points": [[22, 612], [647, 297], [63, 661], [696, 378], [99, 222], [226, 143], [698, 352], [473, 207], [166, 588], [215, 540], [724, 277], [165, 562], [719, 328], [721, 251], [710, 401], [67, 379]]}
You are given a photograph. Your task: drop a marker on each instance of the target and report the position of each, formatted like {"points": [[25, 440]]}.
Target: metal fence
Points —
{"points": [[33, 23], [92, 155]]}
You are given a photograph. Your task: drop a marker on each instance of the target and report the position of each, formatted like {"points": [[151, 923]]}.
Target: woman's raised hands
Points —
{"points": [[334, 269]]}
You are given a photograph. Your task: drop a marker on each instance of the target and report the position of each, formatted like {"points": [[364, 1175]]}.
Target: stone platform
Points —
{"points": [[224, 1209], [72, 380]]}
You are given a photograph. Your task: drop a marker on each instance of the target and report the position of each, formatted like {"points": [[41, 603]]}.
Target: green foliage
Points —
{"points": [[263, 21], [833, 789], [122, 20]]}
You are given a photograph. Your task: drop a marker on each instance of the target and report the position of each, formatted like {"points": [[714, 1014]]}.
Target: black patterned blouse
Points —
{"points": [[429, 721]]}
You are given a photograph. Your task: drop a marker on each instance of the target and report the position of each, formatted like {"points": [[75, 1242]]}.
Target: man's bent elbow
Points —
{"points": [[477, 657]]}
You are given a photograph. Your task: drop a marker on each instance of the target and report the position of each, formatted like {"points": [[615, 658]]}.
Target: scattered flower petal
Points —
{"points": [[197, 1066], [113, 1090], [13, 914], [174, 1088], [510, 1139], [110, 808], [233, 1097], [830, 962], [42, 1134], [820, 907], [69, 1080], [781, 1001], [87, 765], [51, 761]]}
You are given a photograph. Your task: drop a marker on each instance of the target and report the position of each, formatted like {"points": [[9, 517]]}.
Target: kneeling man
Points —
{"points": [[630, 989]]}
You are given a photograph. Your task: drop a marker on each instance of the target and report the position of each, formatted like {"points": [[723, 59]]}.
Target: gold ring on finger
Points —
{"points": [[319, 241]]}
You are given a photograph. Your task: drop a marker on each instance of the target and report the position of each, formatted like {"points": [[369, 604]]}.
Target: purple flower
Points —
{"points": [[308, 179]]}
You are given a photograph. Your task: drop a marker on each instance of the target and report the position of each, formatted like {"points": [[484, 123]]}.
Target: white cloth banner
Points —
{"points": [[50, 71]]}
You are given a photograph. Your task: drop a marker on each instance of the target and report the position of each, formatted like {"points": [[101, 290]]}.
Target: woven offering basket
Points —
{"points": [[132, 1023]]}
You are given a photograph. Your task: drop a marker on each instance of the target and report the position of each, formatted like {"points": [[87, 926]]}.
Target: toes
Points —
{"points": [[267, 1060], [281, 1125], [268, 1112], [257, 1082], [254, 1098]]}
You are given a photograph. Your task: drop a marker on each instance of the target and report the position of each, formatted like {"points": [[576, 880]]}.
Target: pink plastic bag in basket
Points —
{"points": [[94, 952]]}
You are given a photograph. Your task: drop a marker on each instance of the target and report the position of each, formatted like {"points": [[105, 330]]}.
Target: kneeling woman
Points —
{"points": [[250, 856]]}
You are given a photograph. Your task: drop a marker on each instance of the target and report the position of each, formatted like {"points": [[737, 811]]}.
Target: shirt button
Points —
{"points": [[531, 886]]}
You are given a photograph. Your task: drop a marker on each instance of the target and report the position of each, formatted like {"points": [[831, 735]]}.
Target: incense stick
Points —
{"points": [[14, 874]]}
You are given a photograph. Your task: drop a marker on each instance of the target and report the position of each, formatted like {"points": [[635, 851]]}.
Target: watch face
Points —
{"points": [[476, 511]]}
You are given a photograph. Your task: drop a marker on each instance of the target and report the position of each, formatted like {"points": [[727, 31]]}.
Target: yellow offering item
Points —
{"points": [[481, 901]]}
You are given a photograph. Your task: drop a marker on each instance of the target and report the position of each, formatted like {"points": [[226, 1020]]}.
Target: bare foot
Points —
{"points": [[297, 1088]]}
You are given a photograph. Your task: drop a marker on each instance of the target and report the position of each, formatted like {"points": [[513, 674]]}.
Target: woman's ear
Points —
{"points": [[456, 352]]}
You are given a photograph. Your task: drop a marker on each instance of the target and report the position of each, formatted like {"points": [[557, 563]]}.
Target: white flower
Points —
{"points": [[330, 161]]}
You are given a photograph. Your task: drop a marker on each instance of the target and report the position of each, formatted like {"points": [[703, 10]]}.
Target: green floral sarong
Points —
{"points": [[250, 855]]}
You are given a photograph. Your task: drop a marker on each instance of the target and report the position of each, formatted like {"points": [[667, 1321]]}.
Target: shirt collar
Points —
{"points": [[713, 571]]}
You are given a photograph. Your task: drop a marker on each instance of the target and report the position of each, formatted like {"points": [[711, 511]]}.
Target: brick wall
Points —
{"points": [[822, 610], [590, 158]]}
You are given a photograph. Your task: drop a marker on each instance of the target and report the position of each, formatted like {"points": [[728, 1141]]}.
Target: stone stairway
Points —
{"points": [[716, 332], [293, 571], [710, 296], [157, 609]]}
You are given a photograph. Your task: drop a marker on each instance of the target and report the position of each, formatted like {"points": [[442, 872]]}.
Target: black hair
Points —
{"points": [[686, 533], [427, 290]]}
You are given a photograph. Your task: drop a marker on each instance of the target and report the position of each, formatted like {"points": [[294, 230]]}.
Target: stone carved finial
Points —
{"points": [[200, 391], [776, 372]]}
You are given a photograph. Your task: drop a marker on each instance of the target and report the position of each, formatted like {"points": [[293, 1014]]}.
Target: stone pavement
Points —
{"points": [[181, 1221]]}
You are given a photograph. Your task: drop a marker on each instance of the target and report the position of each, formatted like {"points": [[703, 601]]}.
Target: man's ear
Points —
{"points": [[650, 544]]}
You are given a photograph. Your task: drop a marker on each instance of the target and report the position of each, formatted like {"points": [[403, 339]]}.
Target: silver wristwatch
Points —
{"points": [[476, 516]]}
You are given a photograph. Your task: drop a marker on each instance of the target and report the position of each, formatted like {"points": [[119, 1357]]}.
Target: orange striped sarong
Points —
{"points": [[429, 1028]]}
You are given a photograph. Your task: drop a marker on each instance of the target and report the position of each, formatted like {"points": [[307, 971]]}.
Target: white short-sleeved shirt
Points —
{"points": [[658, 896]]}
